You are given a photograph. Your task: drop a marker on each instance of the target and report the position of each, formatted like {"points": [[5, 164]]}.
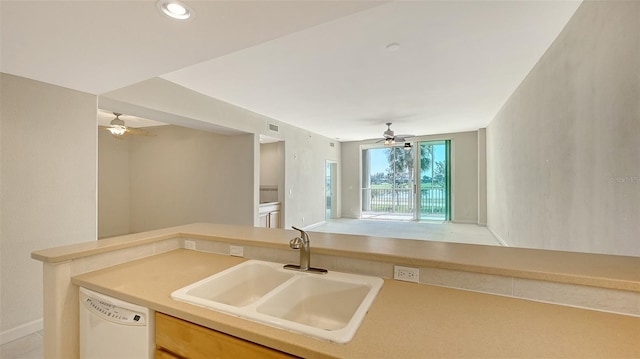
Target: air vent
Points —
{"points": [[273, 127]]}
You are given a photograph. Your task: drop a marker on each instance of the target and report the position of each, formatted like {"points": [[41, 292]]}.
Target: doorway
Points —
{"points": [[331, 187], [388, 183], [407, 182]]}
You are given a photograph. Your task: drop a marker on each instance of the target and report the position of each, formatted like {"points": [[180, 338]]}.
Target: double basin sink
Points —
{"points": [[329, 306]]}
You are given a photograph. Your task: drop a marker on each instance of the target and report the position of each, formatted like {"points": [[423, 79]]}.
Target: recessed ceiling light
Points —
{"points": [[175, 9], [394, 46]]}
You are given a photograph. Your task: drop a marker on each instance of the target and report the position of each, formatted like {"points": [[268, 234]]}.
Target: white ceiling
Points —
{"points": [[100, 46], [319, 65]]}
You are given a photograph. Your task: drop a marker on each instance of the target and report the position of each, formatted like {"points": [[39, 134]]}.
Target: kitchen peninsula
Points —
{"points": [[406, 319]]}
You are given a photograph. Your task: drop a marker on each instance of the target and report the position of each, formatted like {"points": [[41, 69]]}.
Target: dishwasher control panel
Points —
{"points": [[112, 312]]}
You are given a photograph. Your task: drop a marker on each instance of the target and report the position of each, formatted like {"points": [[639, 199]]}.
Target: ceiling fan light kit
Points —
{"points": [[117, 127], [390, 138], [117, 130]]}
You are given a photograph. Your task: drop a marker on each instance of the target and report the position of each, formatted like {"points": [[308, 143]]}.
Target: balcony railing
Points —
{"points": [[400, 200]]}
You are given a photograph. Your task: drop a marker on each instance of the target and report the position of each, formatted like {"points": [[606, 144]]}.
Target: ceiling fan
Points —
{"points": [[390, 138], [118, 128]]}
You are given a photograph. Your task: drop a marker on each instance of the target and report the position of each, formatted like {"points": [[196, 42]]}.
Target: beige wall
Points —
{"points": [[113, 185], [350, 175], [563, 153], [48, 178], [482, 176], [271, 172], [184, 176], [179, 176], [305, 153], [270, 164], [464, 173]]}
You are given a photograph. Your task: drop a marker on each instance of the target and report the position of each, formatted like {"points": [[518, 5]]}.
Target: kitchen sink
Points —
{"points": [[330, 306], [239, 286]]}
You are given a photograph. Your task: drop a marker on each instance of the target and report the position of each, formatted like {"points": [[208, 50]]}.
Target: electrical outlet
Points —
{"points": [[236, 251], [190, 245], [407, 274]]}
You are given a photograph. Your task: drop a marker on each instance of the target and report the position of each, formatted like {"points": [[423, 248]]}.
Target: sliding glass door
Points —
{"points": [[388, 183], [406, 182], [434, 199]]}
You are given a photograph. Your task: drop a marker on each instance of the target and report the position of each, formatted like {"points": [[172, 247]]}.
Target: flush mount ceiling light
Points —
{"points": [[175, 9]]}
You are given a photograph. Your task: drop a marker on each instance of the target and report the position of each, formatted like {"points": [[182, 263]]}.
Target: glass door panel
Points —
{"points": [[433, 196], [388, 183]]}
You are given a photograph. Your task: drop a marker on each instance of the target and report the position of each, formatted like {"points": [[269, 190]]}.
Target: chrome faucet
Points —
{"points": [[302, 243]]}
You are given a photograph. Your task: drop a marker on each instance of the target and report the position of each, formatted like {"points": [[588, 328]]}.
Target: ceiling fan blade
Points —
{"points": [[139, 132]]}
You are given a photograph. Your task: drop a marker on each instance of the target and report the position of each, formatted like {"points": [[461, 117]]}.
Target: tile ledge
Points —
{"points": [[278, 239]]}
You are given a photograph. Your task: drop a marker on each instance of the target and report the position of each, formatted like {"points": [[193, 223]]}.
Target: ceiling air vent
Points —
{"points": [[273, 127]]}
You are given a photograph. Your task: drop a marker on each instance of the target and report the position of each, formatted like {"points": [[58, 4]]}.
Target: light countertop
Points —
{"points": [[406, 320], [598, 270]]}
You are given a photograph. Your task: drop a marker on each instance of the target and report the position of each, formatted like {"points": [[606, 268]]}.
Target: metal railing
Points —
{"points": [[400, 200]]}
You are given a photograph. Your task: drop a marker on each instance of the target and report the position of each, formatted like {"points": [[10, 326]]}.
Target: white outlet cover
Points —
{"points": [[190, 245], [236, 251], [407, 274]]}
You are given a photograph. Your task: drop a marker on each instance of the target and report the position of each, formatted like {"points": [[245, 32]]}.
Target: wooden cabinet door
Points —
{"points": [[163, 354], [188, 340]]}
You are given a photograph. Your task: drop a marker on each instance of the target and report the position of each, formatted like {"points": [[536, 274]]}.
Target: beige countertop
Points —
{"points": [[606, 271], [407, 320]]}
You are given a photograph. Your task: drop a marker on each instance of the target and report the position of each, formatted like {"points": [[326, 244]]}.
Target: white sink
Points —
{"points": [[330, 306], [238, 286]]}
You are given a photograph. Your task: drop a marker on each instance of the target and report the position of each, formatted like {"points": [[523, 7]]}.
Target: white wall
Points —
{"points": [[563, 153], [464, 173], [113, 185], [48, 188], [305, 152]]}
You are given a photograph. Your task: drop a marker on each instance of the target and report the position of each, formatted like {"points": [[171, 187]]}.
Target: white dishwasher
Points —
{"points": [[111, 328]]}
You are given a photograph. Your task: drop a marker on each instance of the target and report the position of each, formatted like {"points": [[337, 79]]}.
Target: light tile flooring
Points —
{"points": [[431, 231], [29, 347]]}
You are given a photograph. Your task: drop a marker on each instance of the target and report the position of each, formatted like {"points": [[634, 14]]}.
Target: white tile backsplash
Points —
{"points": [[480, 282], [611, 300]]}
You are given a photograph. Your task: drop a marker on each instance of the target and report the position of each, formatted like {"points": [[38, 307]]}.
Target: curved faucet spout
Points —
{"points": [[302, 243], [304, 236]]}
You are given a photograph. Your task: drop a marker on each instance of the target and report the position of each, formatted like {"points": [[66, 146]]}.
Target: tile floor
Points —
{"points": [[431, 231], [31, 346]]}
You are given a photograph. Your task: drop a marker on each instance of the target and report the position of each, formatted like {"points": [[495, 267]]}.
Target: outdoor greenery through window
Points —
{"points": [[406, 184]]}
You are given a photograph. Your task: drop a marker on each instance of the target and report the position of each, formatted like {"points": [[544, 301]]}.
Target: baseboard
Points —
{"points": [[498, 238], [21, 331], [464, 222], [311, 226]]}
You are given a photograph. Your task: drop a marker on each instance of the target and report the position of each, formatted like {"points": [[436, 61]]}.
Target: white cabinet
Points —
{"points": [[269, 215]]}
